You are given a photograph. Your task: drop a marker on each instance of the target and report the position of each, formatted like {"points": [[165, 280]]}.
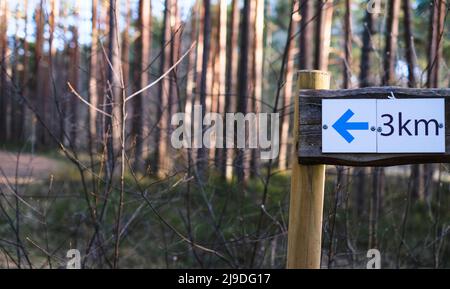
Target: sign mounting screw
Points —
{"points": [[325, 126], [379, 129], [372, 128], [441, 125]]}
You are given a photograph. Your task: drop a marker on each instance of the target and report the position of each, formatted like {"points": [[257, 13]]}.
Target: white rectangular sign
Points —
{"points": [[346, 125], [383, 125]]}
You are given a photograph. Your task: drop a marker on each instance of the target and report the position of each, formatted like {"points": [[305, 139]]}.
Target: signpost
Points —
{"points": [[409, 128], [383, 125], [307, 190], [376, 126]]}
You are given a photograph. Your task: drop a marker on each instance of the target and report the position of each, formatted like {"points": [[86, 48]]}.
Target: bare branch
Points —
{"points": [[163, 75], [85, 101]]}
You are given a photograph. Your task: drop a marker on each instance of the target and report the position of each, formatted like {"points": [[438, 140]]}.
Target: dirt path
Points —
{"points": [[29, 167]]}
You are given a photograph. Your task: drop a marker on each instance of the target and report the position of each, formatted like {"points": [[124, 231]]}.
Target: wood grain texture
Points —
{"points": [[310, 120], [307, 193]]}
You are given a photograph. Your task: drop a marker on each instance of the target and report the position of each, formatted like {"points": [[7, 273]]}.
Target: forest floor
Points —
{"points": [[28, 167]]}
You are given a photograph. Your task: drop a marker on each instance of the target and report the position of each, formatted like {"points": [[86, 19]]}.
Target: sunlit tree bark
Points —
{"points": [[139, 127], [391, 37], [4, 94], [323, 33], [287, 90], [232, 77]]}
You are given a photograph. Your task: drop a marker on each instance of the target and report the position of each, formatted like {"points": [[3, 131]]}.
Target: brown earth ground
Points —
{"points": [[25, 168]]}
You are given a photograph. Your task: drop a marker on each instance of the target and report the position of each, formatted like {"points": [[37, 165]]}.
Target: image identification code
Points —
{"points": [[225, 278]]}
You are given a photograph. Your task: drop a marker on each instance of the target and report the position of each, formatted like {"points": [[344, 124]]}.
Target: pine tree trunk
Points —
{"points": [[213, 88], [93, 85], [287, 90], [74, 80], [126, 47], [367, 50], [220, 152], [16, 115], [243, 82], [323, 35], [390, 50], [433, 42], [24, 84], [112, 125], [202, 160], [4, 93], [39, 99], [374, 207], [190, 85], [409, 43], [258, 76], [139, 128], [250, 96], [232, 78], [364, 81], [417, 185], [164, 162], [176, 32], [348, 40], [306, 34], [174, 92], [51, 91], [438, 12]]}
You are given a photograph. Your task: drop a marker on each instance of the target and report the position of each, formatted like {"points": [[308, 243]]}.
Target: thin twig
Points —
{"points": [[163, 75], [86, 102]]}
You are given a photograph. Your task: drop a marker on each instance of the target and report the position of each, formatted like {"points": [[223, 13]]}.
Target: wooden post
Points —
{"points": [[307, 192]]}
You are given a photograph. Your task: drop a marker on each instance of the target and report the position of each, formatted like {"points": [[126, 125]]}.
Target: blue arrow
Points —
{"points": [[342, 126]]}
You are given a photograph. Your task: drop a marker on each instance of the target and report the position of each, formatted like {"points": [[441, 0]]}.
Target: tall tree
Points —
{"points": [[258, 73], [389, 59], [164, 161], [202, 161], [125, 48], [232, 76], [222, 73], [197, 124], [417, 185], [288, 87], [51, 86], [323, 33], [247, 154], [16, 111], [141, 79], [374, 206], [116, 124], [4, 95], [436, 32], [74, 55], [93, 71], [243, 82], [365, 80], [211, 83], [40, 99], [213, 86], [347, 44], [409, 43], [367, 50], [111, 124], [390, 50], [175, 45], [25, 119], [435, 39], [306, 34], [190, 81]]}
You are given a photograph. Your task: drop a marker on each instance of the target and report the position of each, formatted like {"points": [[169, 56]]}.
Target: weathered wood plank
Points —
{"points": [[310, 121]]}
